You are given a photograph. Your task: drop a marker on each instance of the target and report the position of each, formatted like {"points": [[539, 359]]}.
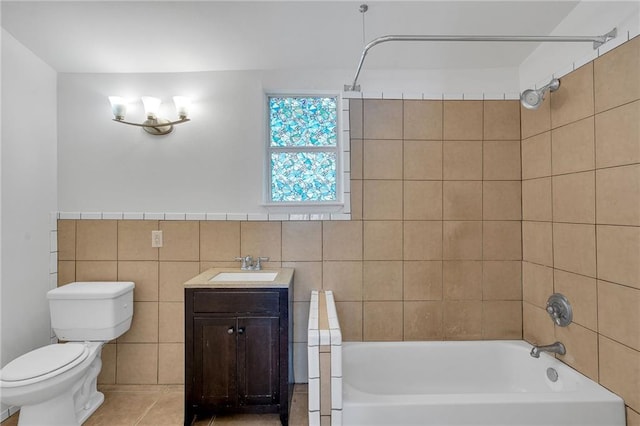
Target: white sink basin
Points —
{"points": [[245, 276]]}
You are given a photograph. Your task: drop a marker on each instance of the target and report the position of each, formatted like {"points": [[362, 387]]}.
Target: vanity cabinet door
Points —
{"points": [[258, 360], [215, 361]]}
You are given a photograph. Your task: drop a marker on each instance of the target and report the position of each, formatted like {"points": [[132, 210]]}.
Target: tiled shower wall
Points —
{"points": [[433, 250], [581, 219]]}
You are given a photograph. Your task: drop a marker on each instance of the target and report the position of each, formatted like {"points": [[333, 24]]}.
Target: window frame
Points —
{"points": [[304, 206]]}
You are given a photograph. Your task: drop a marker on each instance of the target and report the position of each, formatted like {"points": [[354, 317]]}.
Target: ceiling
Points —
{"points": [[183, 36]]}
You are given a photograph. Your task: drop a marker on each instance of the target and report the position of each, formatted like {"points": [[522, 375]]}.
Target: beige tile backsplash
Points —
{"points": [[456, 224]]}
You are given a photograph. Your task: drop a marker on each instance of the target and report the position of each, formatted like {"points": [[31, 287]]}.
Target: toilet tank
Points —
{"points": [[91, 310]]}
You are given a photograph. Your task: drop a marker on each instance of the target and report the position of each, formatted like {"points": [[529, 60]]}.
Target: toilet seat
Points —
{"points": [[43, 363]]}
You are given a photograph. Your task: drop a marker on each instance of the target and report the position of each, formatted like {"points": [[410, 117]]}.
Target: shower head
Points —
{"points": [[532, 98]]}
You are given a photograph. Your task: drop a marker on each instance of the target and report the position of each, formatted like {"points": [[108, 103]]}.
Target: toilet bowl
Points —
{"points": [[57, 384]]}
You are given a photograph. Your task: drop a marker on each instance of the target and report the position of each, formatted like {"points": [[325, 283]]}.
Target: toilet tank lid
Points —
{"points": [[91, 290]]}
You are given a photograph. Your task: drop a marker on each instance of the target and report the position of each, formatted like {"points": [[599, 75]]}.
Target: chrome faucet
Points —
{"points": [[249, 265], [556, 348]]}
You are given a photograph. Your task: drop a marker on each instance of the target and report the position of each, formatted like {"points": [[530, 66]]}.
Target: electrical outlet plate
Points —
{"points": [[156, 239]]}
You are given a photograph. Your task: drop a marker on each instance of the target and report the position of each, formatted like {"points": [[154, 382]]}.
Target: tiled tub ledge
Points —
{"points": [[325, 360]]}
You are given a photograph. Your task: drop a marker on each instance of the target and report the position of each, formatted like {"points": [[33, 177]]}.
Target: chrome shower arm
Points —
{"points": [[597, 42]]}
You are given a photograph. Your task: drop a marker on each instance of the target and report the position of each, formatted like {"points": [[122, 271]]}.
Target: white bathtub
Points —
{"points": [[467, 383]]}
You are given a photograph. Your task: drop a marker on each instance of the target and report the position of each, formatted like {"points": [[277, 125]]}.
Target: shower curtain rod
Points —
{"points": [[597, 42]]}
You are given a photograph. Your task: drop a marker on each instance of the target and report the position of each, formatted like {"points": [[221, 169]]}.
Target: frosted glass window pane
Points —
{"points": [[303, 121], [303, 176]]}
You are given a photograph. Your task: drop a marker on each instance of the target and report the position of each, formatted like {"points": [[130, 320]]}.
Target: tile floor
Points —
{"points": [[132, 405]]}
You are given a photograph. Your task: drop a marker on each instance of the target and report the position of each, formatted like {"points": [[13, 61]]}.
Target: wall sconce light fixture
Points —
{"points": [[153, 124]]}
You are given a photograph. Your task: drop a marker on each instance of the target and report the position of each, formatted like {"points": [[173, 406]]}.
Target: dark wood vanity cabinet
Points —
{"points": [[237, 352]]}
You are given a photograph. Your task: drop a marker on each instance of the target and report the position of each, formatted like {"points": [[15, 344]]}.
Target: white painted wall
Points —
{"points": [[587, 18], [213, 164], [28, 197]]}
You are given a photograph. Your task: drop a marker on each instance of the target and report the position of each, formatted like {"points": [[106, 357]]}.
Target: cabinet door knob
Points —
{"points": [[230, 330], [241, 330]]}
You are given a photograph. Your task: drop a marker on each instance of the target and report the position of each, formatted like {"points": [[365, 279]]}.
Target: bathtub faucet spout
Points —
{"points": [[556, 348]]}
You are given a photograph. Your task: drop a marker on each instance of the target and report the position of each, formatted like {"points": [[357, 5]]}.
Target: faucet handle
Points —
{"points": [[246, 261], [259, 260]]}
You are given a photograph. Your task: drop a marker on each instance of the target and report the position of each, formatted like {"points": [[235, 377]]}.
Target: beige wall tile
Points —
{"points": [[382, 321], [574, 100], [572, 147], [357, 154], [502, 280], [536, 156], [423, 320], [502, 240], [134, 240], [383, 240], [96, 240], [582, 294], [172, 277], [96, 270], [342, 240], [170, 364], [462, 240], [382, 119], [107, 374], [422, 160], [613, 85], [422, 200], [144, 326], [501, 160], [537, 242], [462, 200], [307, 277], [502, 200], [462, 320], [219, 240], [633, 417], [462, 280], [422, 120], [537, 284], [582, 349], [181, 240], [534, 122], [137, 364], [171, 322], [501, 320], [145, 276], [574, 248], [261, 239], [382, 159], [422, 240], [618, 195], [382, 280], [355, 118], [537, 327], [344, 279], [66, 271], [300, 321], [620, 371], [619, 313], [350, 315], [301, 241], [356, 200], [574, 198], [618, 136], [463, 120], [536, 199], [66, 240], [502, 120], [618, 254], [422, 280], [462, 160], [382, 200]]}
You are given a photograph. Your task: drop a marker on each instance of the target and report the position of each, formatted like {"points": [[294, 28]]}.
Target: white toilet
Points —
{"points": [[56, 384]]}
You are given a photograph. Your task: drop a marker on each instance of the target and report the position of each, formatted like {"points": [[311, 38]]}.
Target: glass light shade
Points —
{"points": [[151, 106], [118, 107], [182, 105]]}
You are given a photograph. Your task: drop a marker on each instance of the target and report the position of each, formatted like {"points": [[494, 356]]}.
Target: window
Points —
{"points": [[303, 152]]}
